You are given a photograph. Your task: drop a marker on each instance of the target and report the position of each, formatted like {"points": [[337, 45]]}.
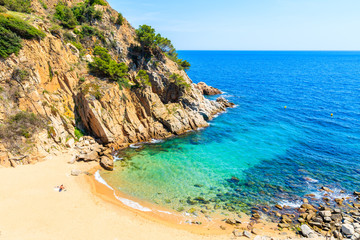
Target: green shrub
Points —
{"points": [[3, 9], [65, 15], [20, 27], [104, 66], [17, 5], [97, 2], [143, 78], [120, 19], [21, 124], [55, 30], [85, 13], [87, 31], [179, 81], [20, 75], [68, 37], [78, 133], [9, 43], [43, 4]]}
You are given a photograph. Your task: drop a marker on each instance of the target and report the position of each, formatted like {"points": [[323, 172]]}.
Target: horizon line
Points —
{"points": [[358, 50]]}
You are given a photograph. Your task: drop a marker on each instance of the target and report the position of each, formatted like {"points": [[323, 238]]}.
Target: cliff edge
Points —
{"points": [[95, 77]]}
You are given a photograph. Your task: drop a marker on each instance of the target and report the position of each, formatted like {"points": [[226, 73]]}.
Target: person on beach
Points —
{"points": [[61, 188]]}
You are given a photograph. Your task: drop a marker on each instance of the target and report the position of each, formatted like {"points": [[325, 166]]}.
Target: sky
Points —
{"points": [[249, 24]]}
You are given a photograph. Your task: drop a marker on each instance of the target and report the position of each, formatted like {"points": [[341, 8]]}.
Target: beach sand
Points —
{"points": [[30, 208]]}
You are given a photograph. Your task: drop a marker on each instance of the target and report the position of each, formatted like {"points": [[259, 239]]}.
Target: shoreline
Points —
{"points": [[31, 209], [215, 226]]}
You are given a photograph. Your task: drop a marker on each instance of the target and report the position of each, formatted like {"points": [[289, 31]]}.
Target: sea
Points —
{"points": [[295, 129]]}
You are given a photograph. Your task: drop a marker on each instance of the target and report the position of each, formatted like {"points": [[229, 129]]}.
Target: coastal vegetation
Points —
{"points": [[82, 13], [120, 19], [179, 81], [143, 79], [104, 66], [147, 37], [13, 30], [22, 124], [17, 5]]}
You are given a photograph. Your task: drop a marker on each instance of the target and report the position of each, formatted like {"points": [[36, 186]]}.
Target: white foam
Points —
{"points": [[132, 204], [336, 194], [292, 204], [101, 180], [311, 180], [135, 146], [117, 159], [125, 201], [164, 212], [156, 141]]}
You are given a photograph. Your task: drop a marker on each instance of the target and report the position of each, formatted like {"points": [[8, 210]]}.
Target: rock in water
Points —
{"points": [[107, 163], [207, 90], [225, 103]]}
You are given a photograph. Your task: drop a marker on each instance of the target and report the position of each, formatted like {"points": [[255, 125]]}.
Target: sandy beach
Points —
{"points": [[31, 208]]}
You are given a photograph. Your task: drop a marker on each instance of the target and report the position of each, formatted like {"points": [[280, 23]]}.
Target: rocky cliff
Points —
{"points": [[49, 83]]}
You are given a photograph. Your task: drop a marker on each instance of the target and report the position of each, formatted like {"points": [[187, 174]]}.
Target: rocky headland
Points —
{"points": [[51, 97]]}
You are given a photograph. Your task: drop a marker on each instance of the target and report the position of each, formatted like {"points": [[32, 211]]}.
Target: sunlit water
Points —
{"points": [[259, 152]]}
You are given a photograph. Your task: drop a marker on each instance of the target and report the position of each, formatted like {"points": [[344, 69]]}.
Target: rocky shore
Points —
{"points": [[339, 219]]}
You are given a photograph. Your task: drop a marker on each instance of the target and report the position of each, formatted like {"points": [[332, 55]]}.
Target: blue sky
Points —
{"points": [[249, 24]]}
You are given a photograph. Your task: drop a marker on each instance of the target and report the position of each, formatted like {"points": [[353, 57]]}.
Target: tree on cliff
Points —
{"points": [[104, 66], [148, 38]]}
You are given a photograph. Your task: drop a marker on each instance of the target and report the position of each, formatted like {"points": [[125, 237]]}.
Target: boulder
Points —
{"points": [[207, 90], [306, 231], [247, 234], [70, 143], [107, 163], [91, 156], [237, 233], [325, 214], [326, 189], [285, 219], [225, 103], [347, 229], [75, 172]]}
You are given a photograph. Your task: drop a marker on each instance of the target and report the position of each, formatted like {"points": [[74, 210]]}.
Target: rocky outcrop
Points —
{"points": [[59, 89], [208, 90]]}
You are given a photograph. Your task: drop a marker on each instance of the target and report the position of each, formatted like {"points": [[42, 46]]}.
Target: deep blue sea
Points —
{"points": [[280, 143]]}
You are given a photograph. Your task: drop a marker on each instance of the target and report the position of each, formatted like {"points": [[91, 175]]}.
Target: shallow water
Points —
{"points": [[260, 152]]}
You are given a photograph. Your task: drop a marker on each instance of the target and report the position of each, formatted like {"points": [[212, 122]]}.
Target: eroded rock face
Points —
{"points": [[53, 90], [208, 90], [125, 116]]}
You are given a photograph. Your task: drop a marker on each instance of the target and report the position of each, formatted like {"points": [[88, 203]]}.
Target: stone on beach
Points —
{"points": [[347, 229], [75, 172], [306, 231]]}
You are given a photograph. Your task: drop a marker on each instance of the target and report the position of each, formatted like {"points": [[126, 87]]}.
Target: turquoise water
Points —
{"points": [[259, 153]]}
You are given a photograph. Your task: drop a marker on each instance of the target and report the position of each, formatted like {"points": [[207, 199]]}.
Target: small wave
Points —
{"points": [[333, 195], [164, 212], [101, 180], [311, 180], [125, 201], [117, 159], [292, 204], [132, 204], [134, 145], [156, 141]]}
